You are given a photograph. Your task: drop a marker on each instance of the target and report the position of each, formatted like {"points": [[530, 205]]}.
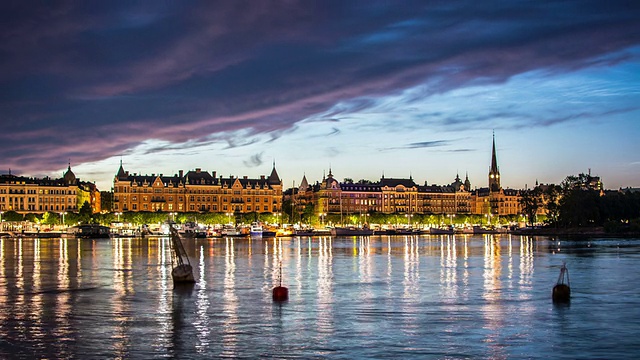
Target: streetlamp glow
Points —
{"points": [[408, 216]]}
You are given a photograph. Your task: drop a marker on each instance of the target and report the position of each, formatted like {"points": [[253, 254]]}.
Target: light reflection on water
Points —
{"points": [[373, 297]]}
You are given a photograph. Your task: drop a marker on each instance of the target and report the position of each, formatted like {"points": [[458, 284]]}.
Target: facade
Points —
{"points": [[39, 195], [404, 196], [387, 196], [196, 191]]}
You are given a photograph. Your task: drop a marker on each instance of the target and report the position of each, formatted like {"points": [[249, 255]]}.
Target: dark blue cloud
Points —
{"points": [[92, 79]]}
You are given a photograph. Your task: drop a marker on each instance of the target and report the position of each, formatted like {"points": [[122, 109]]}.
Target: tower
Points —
{"points": [[494, 173]]}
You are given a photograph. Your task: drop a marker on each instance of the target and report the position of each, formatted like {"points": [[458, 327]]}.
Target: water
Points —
{"points": [[373, 297]]}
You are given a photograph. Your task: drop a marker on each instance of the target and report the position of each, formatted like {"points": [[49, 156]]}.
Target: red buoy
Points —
{"points": [[280, 293], [562, 291]]}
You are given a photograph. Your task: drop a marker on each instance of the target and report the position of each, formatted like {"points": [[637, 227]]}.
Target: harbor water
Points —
{"points": [[378, 297]]}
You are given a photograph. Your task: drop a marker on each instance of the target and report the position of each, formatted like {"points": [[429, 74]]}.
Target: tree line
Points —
{"points": [[579, 201]]}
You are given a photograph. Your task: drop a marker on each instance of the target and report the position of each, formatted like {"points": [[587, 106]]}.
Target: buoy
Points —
{"points": [[562, 291], [182, 273], [280, 293]]}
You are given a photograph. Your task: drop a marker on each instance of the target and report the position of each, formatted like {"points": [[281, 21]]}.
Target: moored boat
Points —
{"points": [[192, 230], [256, 229], [351, 231], [230, 230], [441, 231], [89, 231]]}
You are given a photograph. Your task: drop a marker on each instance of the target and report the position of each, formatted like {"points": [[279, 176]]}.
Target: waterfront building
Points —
{"points": [[404, 196], [387, 196], [196, 191], [494, 200], [39, 195]]}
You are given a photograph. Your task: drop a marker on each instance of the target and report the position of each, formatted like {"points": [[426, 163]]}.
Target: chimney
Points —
{"points": [[198, 170], [213, 175], [181, 173], [261, 177], [245, 177]]}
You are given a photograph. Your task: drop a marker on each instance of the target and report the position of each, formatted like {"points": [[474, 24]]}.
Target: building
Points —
{"points": [[494, 200], [404, 196], [387, 196], [196, 191], [39, 195]]}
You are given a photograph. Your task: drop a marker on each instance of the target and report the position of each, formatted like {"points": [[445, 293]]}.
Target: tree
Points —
{"points": [[85, 213], [106, 200], [530, 202], [12, 216], [552, 195], [50, 218]]}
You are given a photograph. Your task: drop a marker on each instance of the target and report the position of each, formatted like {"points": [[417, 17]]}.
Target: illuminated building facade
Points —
{"points": [[387, 196], [404, 196], [39, 195], [196, 191]]}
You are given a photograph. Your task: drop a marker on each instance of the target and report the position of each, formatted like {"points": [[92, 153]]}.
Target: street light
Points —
{"points": [[278, 218], [322, 215], [173, 216], [118, 215], [63, 214], [229, 217], [409, 216], [451, 216]]}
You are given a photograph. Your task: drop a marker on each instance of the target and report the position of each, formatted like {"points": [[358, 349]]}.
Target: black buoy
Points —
{"points": [[280, 293], [562, 291]]}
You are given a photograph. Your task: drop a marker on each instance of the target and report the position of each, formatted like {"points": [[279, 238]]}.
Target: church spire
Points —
{"points": [[494, 172]]}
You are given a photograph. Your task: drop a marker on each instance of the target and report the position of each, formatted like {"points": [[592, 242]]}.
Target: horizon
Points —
{"points": [[365, 88]]}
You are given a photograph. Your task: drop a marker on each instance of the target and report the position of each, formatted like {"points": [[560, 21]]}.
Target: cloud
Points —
{"points": [[254, 161], [427, 144], [88, 82]]}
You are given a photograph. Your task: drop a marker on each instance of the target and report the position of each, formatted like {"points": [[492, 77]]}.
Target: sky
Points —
{"points": [[362, 88]]}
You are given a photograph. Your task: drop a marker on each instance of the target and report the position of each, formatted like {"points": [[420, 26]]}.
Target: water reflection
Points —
{"points": [[411, 280], [324, 286], [462, 296], [202, 323], [448, 268], [230, 301]]}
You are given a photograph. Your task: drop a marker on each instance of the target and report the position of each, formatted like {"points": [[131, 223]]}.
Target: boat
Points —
{"points": [[89, 231], [351, 231], [192, 230], [256, 229], [230, 230], [269, 233], [441, 231], [305, 232], [483, 230]]}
